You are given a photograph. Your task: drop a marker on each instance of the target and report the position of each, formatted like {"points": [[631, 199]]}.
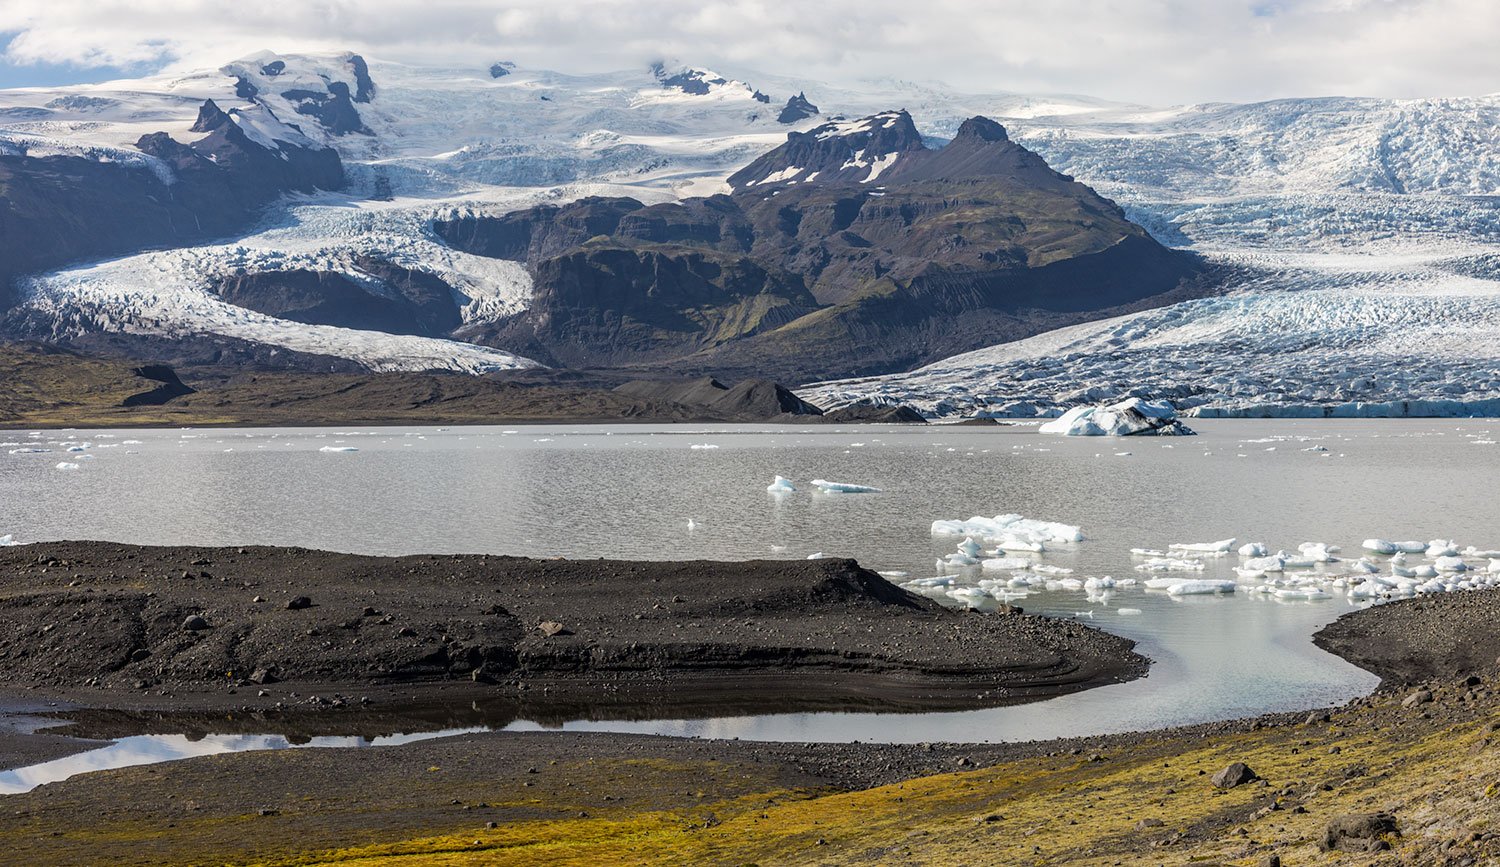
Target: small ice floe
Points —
{"points": [[1004, 564], [778, 549], [1012, 529], [691, 524], [1424, 572], [1201, 588], [1133, 417], [1402, 571], [894, 574], [1363, 566], [1043, 569], [819, 556], [1273, 563], [1305, 593], [701, 446], [1253, 549], [1318, 552], [1380, 546], [782, 485], [1169, 564], [7, 540], [1221, 547], [338, 449], [1441, 548], [1450, 564], [970, 547], [1494, 567], [1412, 547], [29, 451], [1129, 612], [828, 487], [1020, 545], [1479, 554], [1147, 552], [67, 465]]}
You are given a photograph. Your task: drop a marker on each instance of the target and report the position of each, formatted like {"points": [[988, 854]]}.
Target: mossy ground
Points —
{"points": [[1433, 766]]}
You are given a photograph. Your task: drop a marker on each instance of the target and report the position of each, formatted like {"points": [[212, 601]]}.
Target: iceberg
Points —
{"points": [[1381, 546], [782, 485], [338, 449], [1221, 547], [828, 487], [65, 465], [1197, 588], [1132, 417], [1004, 564], [1254, 549], [1010, 530]]}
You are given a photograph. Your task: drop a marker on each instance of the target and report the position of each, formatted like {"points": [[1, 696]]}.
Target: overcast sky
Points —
{"points": [[1150, 51]]}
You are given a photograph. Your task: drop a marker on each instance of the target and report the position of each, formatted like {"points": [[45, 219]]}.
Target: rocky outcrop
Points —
{"points": [[852, 249], [759, 399], [797, 108], [500, 70], [60, 209], [408, 302], [334, 110]]}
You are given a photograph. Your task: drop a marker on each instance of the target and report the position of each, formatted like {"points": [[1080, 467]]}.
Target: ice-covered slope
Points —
{"points": [[1375, 212]]}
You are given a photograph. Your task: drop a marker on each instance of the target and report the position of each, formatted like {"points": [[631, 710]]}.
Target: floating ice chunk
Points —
{"points": [[1221, 547], [960, 560], [338, 449], [782, 485], [1129, 612], [1147, 552], [1363, 590], [7, 540], [1051, 570], [1411, 547], [1131, 417], [1197, 588], [1318, 552], [1253, 549], [1021, 544], [1003, 527], [1424, 572], [1494, 568], [1364, 567], [1477, 554], [1402, 571], [1004, 564], [1441, 548], [66, 465], [1274, 563], [1380, 546], [819, 556], [701, 446], [1169, 564], [1450, 564], [1249, 574], [29, 451], [1302, 593], [893, 573], [828, 487], [970, 547]]}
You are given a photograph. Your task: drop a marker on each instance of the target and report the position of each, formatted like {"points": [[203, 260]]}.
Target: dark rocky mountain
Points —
{"points": [[851, 249], [329, 102], [60, 209], [501, 69], [797, 108]]}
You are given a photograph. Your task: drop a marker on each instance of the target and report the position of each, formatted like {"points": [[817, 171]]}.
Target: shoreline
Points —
{"points": [[1421, 751]]}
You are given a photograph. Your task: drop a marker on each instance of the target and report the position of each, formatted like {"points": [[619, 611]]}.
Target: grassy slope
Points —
{"points": [[1434, 766]]}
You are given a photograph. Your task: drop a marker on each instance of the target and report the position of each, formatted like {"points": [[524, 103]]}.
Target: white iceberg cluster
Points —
{"points": [[1131, 417]]}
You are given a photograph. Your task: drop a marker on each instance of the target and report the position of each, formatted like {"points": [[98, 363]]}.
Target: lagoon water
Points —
{"points": [[630, 491]]}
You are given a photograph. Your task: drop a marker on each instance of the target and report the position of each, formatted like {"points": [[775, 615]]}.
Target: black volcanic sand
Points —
{"points": [[283, 805], [1414, 640], [147, 637]]}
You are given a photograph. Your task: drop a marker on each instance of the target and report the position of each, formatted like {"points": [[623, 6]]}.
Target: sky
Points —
{"points": [[1147, 51]]}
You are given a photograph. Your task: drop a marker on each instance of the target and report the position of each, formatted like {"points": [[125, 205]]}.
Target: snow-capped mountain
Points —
{"points": [[1363, 224]]}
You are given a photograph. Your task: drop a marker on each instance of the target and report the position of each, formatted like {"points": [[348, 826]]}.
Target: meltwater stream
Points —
{"points": [[630, 492]]}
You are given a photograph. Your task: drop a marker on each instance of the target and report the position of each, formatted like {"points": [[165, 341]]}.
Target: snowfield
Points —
{"points": [[1365, 227]]}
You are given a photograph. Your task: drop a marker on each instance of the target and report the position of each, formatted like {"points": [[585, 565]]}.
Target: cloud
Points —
{"points": [[1153, 51]]}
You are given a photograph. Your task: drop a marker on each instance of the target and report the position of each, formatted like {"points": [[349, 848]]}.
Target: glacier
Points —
{"points": [[1358, 233]]}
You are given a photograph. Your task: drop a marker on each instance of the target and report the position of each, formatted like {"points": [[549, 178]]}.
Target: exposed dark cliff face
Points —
{"points": [[60, 209], [813, 268], [401, 301]]}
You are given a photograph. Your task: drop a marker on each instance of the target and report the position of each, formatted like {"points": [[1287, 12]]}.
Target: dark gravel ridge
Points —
{"points": [[93, 623]]}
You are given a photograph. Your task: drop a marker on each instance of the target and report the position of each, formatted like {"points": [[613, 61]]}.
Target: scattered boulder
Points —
{"points": [[1236, 774], [297, 603], [263, 676], [195, 623], [1360, 832], [1421, 696], [552, 628], [1147, 824]]}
